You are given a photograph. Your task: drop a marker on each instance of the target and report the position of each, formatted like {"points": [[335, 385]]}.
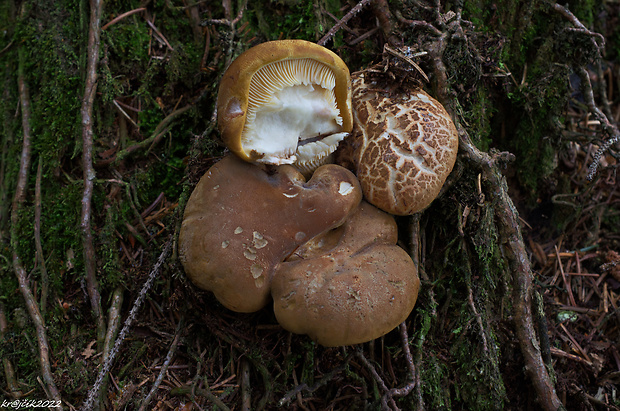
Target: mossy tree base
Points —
{"points": [[505, 71]]}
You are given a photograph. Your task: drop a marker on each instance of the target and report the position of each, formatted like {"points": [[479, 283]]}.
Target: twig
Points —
{"points": [[559, 353], [246, 388], [403, 391], [326, 379], [358, 7], [9, 371], [157, 133], [114, 321], [122, 16], [158, 33], [164, 367], [18, 200], [586, 88], [37, 238], [385, 399], [124, 113], [94, 391], [569, 290], [87, 165]]}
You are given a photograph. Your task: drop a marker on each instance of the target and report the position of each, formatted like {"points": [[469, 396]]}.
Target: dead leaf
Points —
{"points": [[89, 352]]}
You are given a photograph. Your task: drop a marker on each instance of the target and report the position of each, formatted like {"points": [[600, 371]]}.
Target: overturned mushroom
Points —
{"points": [[285, 102], [240, 221], [402, 148], [349, 285]]}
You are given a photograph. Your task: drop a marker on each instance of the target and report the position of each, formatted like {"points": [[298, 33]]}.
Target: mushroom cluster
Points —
{"points": [[276, 222]]}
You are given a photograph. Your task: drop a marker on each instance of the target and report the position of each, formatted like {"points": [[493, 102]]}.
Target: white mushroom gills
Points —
{"points": [[292, 114]]}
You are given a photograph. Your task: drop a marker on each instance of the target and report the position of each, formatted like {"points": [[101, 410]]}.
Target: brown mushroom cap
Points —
{"points": [[281, 93], [402, 148], [349, 285], [240, 221]]}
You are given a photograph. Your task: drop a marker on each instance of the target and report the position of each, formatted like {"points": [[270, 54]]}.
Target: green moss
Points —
{"points": [[294, 19]]}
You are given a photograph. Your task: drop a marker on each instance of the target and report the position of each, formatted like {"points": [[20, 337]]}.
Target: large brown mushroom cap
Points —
{"points": [[240, 221], [279, 93], [402, 148], [347, 286]]}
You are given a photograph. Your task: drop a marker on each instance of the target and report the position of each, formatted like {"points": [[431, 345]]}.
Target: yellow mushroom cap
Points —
{"points": [[281, 93]]}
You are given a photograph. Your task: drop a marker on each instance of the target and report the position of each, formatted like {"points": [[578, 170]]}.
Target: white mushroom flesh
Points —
{"points": [[292, 115]]}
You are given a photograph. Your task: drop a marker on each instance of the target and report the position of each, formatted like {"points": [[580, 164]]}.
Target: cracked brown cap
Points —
{"points": [[241, 221], [402, 148], [349, 285], [285, 102]]}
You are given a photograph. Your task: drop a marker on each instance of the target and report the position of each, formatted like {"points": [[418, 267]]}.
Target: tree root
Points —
{"points": [[512, 240], [18, 200], [89, 172], [510, 233]]}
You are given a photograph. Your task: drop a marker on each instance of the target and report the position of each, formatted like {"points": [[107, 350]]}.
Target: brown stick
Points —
{"points": [[164, 367], [122, 16], [358, 7], [37, 238], [87, 165], [18, 200], [159, 131], [9, 372]]}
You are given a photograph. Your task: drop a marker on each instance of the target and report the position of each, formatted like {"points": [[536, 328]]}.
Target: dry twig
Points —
{"points": [[122, 16], [107, 365], [164, 367], [358, 7]]}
